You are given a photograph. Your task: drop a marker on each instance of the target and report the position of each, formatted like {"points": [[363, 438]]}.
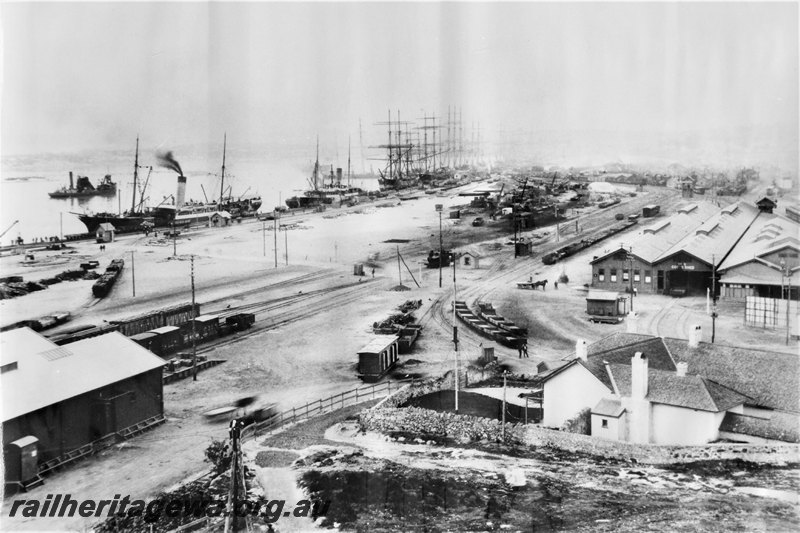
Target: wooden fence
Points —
{"points": [[318, 407]]}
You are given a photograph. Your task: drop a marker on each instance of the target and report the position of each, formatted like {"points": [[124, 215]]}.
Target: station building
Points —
{"points": [[64, 402], [679, 255]]}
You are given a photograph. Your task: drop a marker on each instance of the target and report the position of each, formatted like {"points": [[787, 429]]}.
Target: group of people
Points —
{"points": [[523, 350]]}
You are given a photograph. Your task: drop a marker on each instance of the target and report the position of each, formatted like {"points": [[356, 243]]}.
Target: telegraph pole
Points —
{"points": [[455, 333], [505, 373], [286, 243], [194, 339], [713, 298], [275, 235], [133, 274], [264, 236]]}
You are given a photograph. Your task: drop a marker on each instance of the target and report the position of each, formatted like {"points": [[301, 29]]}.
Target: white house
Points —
{"points": [[647, 389]]}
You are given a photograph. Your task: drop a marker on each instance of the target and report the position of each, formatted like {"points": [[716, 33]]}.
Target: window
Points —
{"points": [[601, 274], [647, 277], [625, 274], [636, 275], [613, 275], [604, 423]]}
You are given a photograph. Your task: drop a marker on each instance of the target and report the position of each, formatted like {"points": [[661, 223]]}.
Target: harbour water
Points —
{"points": [[274, 173]]}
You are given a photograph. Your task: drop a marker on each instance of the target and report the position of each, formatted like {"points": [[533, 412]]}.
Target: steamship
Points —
{"points": [[139, 218], [322, 193], [135, 219], [85, 189]]}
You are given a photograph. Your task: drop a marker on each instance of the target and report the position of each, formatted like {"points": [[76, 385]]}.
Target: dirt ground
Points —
{"points": [[305, 351]]}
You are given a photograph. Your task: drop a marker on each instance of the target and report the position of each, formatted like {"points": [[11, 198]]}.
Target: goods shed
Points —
{"points": [[63, 402]]}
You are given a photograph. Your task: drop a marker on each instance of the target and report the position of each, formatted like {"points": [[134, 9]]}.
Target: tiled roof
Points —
{"points": [[608, 407], [779, 426], [769, 233], [769, 378], [691, 392], [766, 379]]}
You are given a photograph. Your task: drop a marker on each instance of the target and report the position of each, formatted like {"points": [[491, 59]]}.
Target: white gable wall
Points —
{"points": [[567, 393], [678, 425], [615, 429]]}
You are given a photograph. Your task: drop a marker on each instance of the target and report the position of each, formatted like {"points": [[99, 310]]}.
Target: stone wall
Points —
{"points": [[432, 424], [420, 388], [426, 423], [658, 454]]}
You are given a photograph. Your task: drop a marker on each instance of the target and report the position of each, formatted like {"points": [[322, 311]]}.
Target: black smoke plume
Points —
{"points": [[166, 160]]}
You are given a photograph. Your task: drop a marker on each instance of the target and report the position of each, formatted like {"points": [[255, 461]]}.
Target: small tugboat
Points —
{"points": [[84, 188]]}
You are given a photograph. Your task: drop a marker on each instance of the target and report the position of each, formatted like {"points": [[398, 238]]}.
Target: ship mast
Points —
{"points": [[222, 183], [316, 165], [348, 161], [135, 175]]}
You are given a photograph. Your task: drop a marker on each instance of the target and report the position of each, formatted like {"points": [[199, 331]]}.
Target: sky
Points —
{"points": [[593, 81]]}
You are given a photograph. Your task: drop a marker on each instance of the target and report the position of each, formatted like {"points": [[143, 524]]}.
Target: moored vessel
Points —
{"points": [[84, 188]]}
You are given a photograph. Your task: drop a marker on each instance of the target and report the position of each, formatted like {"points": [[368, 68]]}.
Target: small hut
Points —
{"points": [[221, 218], [105, 232], [470, 258]]}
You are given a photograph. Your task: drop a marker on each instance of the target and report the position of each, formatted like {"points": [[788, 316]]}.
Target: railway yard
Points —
{"points": [[312, 314]]}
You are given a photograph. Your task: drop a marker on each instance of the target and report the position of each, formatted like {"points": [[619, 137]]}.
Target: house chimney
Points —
{"points": [[581, 350], [632, 323], [681, 369], [180, 196], [639, 376], [695, 333]]}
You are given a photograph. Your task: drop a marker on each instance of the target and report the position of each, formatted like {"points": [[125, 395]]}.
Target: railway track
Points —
{"points": [[294, 308], [504, 270]]}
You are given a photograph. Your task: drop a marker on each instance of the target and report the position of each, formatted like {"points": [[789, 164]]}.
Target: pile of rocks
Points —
{"points": [[427, 423]]}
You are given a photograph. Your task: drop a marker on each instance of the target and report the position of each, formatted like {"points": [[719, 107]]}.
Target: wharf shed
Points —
{"points": [[75, 399], [759, 264]]}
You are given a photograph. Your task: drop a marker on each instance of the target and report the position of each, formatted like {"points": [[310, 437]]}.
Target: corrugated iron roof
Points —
{"points": [[712, 240], [603, 296], [87, 365], [650, 242], [769, 233]]}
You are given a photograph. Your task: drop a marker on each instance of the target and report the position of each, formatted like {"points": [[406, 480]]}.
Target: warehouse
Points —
{"points": [[765, 262], [63, 402]]}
